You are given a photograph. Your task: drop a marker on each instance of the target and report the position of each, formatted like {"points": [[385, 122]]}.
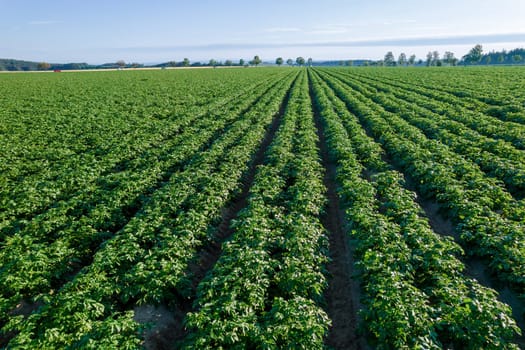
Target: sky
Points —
{"points": [[154, 31]]}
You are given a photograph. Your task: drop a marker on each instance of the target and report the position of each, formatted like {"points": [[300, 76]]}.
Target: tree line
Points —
{"points": [[433, 59], [474, 57]]}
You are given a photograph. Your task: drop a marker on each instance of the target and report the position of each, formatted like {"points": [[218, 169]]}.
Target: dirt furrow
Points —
{"points": [[343, 293]]}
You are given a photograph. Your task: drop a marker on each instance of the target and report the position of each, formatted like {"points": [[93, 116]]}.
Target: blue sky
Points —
{"points": [[159, 30]]}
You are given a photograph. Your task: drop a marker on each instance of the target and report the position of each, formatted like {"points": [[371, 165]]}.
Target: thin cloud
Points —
{"points": [[518, 38], [282, 30], [398, 22], [43, 22]]}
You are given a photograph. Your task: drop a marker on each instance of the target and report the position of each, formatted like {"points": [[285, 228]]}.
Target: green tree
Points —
{"points": [[516, 58], [241, 62], [289, 62], [310, 61], [435, 59], [349, 63], [389, 59], [44, 66], [228, 63], [121, 63], [185, 62], [402, 60], [449, 58], [474, 56], [501, 59], [300, 61], [279, 61], [412, 60], [256, 60], [429, 59], [212, 63]]}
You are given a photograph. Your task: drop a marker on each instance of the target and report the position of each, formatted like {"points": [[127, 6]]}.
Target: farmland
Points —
{"points": [[300, 208]]}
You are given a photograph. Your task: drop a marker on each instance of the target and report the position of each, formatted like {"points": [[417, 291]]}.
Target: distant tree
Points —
{"points": [[341, 63], [300, 61], [366, 63], [241, 62], [44, 66], [449, 58], [185, 62], [501, 58], [435, 59], [228, 63], [389, 59], [256, 61], [349, 63], [121, 63], [136, 65], [279, 61], [289, 62], [310, 61], [429, 59], [402, 60], [488, 59], [212, 63], [474, 56], [517, 58], [420, 61], [412, 60]]}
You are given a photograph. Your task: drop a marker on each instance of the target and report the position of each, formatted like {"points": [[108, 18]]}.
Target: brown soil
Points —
{"points": [[160, 323], [343, 293]]}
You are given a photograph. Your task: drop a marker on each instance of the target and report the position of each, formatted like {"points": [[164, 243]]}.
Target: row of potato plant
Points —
{"points": [[59, 143], [496, 157], [495, 92], [266, 289], [448, 105], [494, 197], [147, 260], [487, 219], [411, 276], [64, 239], [441, 108]]}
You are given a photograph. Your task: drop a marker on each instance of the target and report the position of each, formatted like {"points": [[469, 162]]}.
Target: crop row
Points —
{"points": [[59, 143], [266, 289], [495, 92], [147, 260], [487, 219], [64, 238], [496, 157], [454, 108], [415, 292]]}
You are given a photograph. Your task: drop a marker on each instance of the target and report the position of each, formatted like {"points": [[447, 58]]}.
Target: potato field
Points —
{"points": [[263, 208]]}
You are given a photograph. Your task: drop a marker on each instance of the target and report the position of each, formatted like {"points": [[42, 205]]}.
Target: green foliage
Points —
{"points": [[403, 261], [112, 183]]}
